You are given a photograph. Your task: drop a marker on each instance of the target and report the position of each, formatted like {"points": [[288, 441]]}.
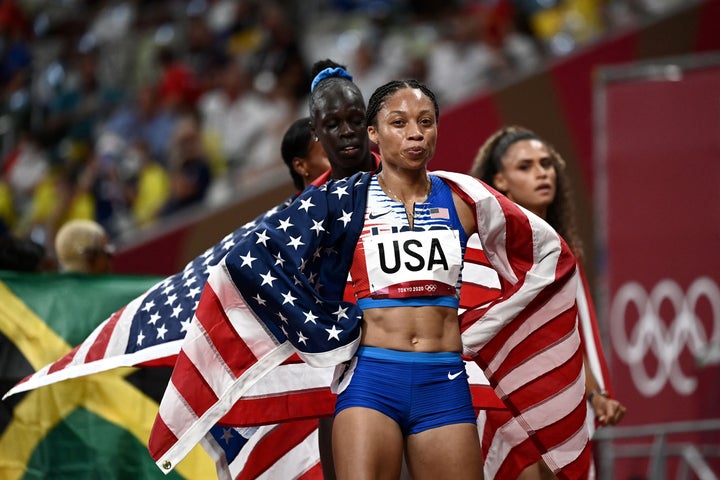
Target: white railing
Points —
{"points": [[652, 442]]}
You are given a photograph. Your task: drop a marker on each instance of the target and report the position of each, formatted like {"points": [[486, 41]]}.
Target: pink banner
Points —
{"points": [[659, 207]]}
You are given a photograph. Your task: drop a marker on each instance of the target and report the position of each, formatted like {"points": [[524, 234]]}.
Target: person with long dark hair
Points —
{"points": [[530, 172]]}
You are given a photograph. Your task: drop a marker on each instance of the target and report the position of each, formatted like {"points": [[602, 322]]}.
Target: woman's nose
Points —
{"points": [[414, 130]]}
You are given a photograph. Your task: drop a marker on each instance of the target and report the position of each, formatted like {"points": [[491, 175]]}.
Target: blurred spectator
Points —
{"points": [[277, 61], [82, 246], [82, 103], [63, 193], [16, 64], [22, 170], [178, 87], [242, 65], [19, 254], [246, 123], [147, 186], [145, 120], [460, 64], [189, 167], [203, 52], [15, 54]]}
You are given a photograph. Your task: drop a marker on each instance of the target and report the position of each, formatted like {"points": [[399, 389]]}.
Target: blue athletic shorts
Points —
{"points": [[417, 390]]}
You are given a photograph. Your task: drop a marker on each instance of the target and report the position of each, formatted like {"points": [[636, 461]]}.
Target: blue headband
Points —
{"points": [[329, 73]]}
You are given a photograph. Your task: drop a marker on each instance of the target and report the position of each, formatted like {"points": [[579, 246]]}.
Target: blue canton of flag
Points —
{"points": [[289, 267]]}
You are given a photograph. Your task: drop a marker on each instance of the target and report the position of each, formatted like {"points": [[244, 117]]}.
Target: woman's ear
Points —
{"points": [[500, 182], [372, 134], [300, 167]]}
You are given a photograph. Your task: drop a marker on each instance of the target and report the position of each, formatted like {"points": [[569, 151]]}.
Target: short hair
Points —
{"points": [[77, 241]]}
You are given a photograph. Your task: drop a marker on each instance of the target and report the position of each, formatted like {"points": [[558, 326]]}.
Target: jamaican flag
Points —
{"points": [[93, 427]]}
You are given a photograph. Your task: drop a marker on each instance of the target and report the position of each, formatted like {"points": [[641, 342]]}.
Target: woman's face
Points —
{"points": [[528, 176], [340, 127], [406, 130]]}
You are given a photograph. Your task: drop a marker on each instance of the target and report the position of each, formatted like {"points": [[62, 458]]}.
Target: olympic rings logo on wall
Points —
{"points": [[666, 342]]}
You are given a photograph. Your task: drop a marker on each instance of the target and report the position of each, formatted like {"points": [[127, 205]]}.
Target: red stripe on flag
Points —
{"points": [[192, 386], [276, 409], [557, 433], [473, 295], [549, 334], [62, 363], [476, 255], [578, 469], [275, 445], [498, 341], [552, 381], [315, 473], [225, 339], [168, 361], [160, 435], [520, 457], [97, 350], [484, 397]]}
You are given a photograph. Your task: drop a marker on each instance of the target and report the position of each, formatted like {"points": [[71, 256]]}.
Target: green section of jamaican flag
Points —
{"points": [[85, 428]]}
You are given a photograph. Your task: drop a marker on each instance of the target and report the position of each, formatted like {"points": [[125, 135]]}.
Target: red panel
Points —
{"points": [[461, 130], [158, 256], [573, 80], [708, 38], [663, 267]]}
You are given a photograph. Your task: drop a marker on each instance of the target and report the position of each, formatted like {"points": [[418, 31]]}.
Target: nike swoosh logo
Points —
{"points": [[453, 376], [373, 216]]}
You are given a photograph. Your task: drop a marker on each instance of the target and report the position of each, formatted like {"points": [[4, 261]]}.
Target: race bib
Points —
{"points": [[413, 264]]}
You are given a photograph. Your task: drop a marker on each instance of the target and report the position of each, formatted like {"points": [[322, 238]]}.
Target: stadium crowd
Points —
{"points": [[128, 111]]}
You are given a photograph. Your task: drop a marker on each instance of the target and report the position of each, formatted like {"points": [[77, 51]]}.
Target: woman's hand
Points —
{"points": [[608, 411]]}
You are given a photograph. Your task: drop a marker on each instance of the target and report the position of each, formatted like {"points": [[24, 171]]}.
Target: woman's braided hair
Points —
{"points": [[561, 212], [383, 92]]}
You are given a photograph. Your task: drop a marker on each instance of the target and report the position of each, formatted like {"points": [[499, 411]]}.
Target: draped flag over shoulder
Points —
{"points": [[268, 300], [93, 427], [507, 448]]}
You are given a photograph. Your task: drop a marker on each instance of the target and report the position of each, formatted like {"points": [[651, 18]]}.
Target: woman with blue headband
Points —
{"points": [[337, 119]]}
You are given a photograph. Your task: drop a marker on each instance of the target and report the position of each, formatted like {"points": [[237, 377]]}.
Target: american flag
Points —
{"points": [[507, 449], [277, 294], [439, 213]]}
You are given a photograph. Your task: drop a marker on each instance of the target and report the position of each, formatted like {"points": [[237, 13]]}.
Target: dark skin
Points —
{"points": [[339, 123]]}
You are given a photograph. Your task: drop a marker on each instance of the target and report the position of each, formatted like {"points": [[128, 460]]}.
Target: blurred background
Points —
{"points": [[128, 112], [161, 120]]}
